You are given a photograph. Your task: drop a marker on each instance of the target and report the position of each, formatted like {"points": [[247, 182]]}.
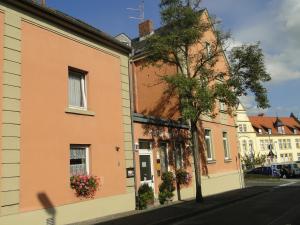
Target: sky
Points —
{"points": [[275, 23]]}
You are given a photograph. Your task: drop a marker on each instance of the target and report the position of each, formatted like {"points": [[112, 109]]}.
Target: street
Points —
{"points": [[280, 206]]}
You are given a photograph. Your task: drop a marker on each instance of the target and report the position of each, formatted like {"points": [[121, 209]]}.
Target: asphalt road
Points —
{"points": [[280, 206]]}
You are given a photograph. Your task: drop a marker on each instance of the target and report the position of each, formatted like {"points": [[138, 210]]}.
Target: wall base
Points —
{"points": [[73, 213]]}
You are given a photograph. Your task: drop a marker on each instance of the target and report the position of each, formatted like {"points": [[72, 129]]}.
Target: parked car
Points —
{"points": [[285, 170], [263, 170]]}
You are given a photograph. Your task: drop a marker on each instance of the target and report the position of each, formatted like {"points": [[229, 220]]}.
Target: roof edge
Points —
{"points": [[67, 23]]}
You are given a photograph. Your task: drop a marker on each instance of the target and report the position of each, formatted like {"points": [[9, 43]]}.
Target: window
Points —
{"points": [[297, 143], [79, 160], [77, 89], [284, 144], [260, 131], [280, 144], [262, 145], [226, 146], [269, 131], [244, 146], [281, 130], [208, 49], [244, 127], [240, 128], [163, 155], [295, 130], [222, 106], [208, 143], [178, 156], [251, 145], [289, 144]]}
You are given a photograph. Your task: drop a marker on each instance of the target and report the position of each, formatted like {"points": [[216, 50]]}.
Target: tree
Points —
{"points": [[197, 83]]}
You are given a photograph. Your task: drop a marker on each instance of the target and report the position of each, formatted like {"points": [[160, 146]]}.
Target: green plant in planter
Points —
{"points": [[166, 188], [146, 196]]}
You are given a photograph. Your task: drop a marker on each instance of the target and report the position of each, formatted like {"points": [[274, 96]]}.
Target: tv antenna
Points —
{"points": [[140, 10]]}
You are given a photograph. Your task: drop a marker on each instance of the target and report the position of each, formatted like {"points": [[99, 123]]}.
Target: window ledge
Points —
{"points": [[80, 112], [211, 161], [227, 160]]}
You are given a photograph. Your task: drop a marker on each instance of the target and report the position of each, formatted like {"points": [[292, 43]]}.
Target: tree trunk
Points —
{"points": [[197, 165]]}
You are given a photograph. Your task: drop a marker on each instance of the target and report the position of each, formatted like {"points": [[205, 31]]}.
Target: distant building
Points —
{"points": [[276, 137]]}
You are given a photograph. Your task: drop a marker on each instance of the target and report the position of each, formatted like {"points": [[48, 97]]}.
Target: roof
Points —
{"points": [[68, 22], [268, 122]]}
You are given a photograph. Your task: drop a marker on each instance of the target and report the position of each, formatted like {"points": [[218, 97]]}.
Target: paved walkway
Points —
{"points": [[178, 210]]}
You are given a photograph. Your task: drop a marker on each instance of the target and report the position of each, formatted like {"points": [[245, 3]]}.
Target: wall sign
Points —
{"points": [[130, 172]]}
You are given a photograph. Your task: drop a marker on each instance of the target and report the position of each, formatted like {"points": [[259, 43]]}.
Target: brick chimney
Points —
{"points": [[145, 28]]}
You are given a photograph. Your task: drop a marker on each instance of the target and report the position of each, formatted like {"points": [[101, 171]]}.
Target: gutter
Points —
{"points": [[70, 23]]}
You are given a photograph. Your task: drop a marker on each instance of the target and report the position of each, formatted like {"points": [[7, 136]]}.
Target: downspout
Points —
{"points": [[131, 93]]}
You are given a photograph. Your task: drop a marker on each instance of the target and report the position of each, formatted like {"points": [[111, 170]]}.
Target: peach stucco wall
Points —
{"points": [[150, 100], [47, 131], [149, 91]]}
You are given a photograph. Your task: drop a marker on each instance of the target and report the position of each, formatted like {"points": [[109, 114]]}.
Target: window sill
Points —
{"points": [[80, 112], [227, 160], [211, 161]]}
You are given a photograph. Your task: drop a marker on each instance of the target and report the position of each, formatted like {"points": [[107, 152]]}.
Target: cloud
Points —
{"points": [[249, 104], [278, 29]]}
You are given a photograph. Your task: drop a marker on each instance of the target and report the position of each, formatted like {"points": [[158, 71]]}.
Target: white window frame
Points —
{"points": [[226, 145], [244, 146], [244, 128], [209, 137], [269, 131], [297, 143], [240, 128], [83, 84], [208, 49], [87, 155]]}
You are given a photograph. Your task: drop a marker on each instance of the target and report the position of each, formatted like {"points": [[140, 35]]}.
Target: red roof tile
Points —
{"points": [[268, 122]]}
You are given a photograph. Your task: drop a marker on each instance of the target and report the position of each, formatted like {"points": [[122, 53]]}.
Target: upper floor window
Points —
{"points": [[222, 106], [77, 89], [297, 143], [280, 130], [208, 143], [259, 130], [226, 146], [79, 160], [244, 145], [251, 145], [208, 49], [269, 131], [240, 128], [244, 128], [295, 130]]}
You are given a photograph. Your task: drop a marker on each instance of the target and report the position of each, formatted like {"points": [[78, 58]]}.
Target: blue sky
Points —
{"points": [[275, 23]]}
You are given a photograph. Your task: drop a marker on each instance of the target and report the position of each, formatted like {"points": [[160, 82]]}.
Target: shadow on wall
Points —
{"points": [[48, 207]]}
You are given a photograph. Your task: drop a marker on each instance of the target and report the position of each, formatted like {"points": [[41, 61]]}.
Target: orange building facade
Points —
{"points": [[65, 111], [161, 139]]}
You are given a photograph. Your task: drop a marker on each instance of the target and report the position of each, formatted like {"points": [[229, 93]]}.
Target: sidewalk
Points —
{"points": [[177, 210]]}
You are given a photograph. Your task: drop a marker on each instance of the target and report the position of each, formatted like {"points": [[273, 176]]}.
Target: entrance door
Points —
{"points": [[146, 166]]}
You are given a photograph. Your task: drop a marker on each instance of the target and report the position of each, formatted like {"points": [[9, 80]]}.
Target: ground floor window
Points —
{"points": [[208, 142], [163, 155], [226, 146], [79, 160], [178, 156]]}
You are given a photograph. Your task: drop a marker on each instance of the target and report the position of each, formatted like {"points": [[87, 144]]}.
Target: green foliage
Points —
{"points": [[166, 188], [145, 196], [251, 160], [198, 84], [248, 73]]}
